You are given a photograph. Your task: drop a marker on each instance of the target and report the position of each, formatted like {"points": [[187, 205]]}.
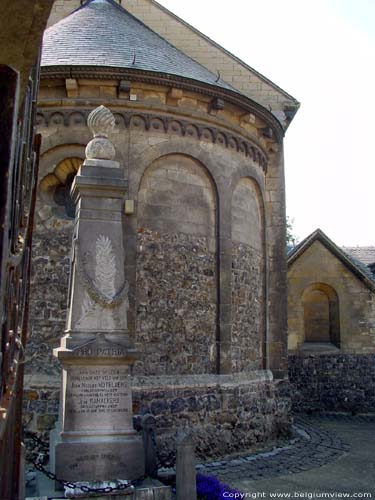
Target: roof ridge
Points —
{"points": [[358, 267], [87, 2], [240, 61], [359, 246]]}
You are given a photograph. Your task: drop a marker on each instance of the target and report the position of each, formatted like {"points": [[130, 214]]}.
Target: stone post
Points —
{"points": [[95, 439], [149, 446], [186, 479]]}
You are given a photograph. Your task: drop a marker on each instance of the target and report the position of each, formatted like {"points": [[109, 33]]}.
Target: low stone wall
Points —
{"points": [[333, 382], [229, 414]]}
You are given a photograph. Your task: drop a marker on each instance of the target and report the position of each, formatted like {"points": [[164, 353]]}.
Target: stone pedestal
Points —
{"points": [[95, 439]]}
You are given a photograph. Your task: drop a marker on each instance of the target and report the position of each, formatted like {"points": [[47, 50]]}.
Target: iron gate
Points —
{"points": [[19, 152]]}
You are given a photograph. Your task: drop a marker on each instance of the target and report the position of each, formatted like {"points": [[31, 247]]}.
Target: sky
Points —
{"points": [[322, 52]]}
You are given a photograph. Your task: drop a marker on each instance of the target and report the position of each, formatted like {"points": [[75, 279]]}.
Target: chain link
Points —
{"points": [[86, 489]]}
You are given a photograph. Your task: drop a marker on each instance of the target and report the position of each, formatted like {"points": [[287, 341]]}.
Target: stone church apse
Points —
{"points": [[204, 241]]}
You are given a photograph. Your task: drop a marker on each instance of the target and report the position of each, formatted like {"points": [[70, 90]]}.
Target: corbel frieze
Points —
{"points": [[136, 120]]}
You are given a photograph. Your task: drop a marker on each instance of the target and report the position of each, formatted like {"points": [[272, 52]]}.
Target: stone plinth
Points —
{"points": [[95, 439]]}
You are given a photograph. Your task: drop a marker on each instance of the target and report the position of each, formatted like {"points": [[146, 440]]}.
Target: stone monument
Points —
{"points": [[95, 439]]}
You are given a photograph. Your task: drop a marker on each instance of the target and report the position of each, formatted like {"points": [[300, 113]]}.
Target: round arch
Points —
{"points": [[321, 314], [176, 267], [248, 276]]}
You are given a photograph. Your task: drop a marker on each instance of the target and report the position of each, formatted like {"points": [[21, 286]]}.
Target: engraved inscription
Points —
{"points": [[100, 351], [98, 398], [108, 457]]}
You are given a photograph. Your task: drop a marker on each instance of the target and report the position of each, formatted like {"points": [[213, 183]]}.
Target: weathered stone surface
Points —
{"points": [[176, 304], [94, 439], [183, 167], [48, 293], [149, 445], [99, 460], [98, 396], [247, 308], [225, 414], [185, 469], [354, 318], [333, 382]]}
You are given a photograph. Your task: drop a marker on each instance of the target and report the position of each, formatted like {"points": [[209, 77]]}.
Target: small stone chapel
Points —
{"points": [[200, 137]]}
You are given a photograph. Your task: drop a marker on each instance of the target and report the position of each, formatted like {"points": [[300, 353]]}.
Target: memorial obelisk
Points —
{"points": [[95, 439]]}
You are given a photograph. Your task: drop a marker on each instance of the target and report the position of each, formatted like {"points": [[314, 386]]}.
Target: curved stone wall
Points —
{"points": [[176, 269], [48, 295], [207, 186], [248, 289]]}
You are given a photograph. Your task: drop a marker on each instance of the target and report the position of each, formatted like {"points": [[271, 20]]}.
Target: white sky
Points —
{"points": [[322, 52]]}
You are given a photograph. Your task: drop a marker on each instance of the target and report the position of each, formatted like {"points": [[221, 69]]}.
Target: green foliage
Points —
{"points": [[291, 238]]}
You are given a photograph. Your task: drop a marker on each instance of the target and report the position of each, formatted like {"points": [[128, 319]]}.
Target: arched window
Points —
{"points": [[321, 314]]}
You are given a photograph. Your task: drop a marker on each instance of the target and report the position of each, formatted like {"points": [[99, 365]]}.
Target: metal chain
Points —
{"points": [[86, 489], [34, 436]]}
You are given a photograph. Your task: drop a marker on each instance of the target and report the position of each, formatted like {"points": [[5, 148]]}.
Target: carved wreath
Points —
{"points": [[101, 290]]}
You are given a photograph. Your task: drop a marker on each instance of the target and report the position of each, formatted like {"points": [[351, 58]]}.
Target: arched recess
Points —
{"points": [[54, 188], [58, 167], [176, 324], [248, 277], [321, 315]]}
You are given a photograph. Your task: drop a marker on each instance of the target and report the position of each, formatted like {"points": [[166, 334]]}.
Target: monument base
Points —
{"points": [[94, 439], [99, 460]]}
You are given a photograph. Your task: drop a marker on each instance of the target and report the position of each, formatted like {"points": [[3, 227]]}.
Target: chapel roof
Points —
{"points": [[356, 266], [102, 33], [364, 254]]}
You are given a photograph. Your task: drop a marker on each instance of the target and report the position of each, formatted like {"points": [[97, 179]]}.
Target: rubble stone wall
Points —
{"points": [[189, 166], [176, 269], [333, 382], [248, 291], [227, 414], [52, 241]]}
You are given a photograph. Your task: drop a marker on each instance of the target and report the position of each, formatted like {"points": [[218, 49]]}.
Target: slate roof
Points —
{"points": [[101, 33], [357, 267], [364, 254]]}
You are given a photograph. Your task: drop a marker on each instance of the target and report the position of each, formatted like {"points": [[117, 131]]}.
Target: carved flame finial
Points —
{"points": [[101, 122]]}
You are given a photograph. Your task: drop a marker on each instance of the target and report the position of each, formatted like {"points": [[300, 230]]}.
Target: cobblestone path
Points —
{"points": [[312, 448]]}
